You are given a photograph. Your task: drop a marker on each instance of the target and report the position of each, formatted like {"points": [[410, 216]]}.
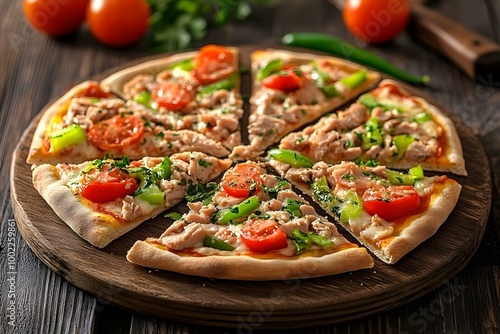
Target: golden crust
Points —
{"points": [[243, 267]]}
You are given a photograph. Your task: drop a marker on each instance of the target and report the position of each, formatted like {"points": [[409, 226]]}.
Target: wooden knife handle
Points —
{"points": [[476, 55]]}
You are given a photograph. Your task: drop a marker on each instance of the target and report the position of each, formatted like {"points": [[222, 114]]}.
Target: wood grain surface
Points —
{"points": [[294, 303]]}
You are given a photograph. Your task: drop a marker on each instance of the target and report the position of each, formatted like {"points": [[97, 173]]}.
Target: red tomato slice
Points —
{"points": [[286, 82], [213, 63], [116, 133], [94, 90], [392, 202], [242, 180], [172, 96], [263, 235], [105, 185]]}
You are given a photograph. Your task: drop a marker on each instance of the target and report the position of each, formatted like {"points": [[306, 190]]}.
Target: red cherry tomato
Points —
{"points": [[104, 186], [286, 81], [55, 18], [116, 133], [172, 96], [213, 63], [392, 202], [94, 90], [242, 180], [263, 235], [376, 21], [118, 22]]}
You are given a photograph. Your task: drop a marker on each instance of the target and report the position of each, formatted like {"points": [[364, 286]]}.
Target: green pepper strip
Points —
{"points": [[70, 135], [320, 78], [144, 98], [371, 102], [293, 207], [164, 169], [354, 80], [352, 206], [227, 84], [414, 174], [272, 67], [402, 142], [373, 135], [216, 243], [303, 241], [326, 43], [184, 65], [243, 209], [292, 158], [152, 194]]}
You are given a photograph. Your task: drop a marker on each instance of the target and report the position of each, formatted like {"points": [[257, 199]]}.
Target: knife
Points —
{"points": [[477, 56]]}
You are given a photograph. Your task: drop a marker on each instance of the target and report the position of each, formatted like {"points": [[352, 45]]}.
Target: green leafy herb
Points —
{"points": [[173, 215], [199, 192]]}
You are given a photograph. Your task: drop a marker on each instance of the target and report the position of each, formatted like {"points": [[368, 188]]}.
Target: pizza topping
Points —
{"points": [[68, 136], [240, 210], [286, 81], [213, 63], [95, 91], [172, 95], [217, 243], [261, 235], [116, 133], [355, 79], [292, 158], [107, 184], [242, 181], [391, 202], [226, 84], [271, 67], [304, 241]]}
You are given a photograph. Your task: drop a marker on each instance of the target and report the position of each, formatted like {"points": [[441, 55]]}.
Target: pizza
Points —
{"points": [[253, 227], [390, 212], [166, 134], [292, 89], [103, 199], [386, 125], [196, 109]]}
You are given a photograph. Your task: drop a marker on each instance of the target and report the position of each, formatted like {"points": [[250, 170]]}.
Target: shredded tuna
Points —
{"points": [[130, 209]]}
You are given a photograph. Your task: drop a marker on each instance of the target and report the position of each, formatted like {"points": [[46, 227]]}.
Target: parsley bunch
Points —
{"points": [[175, 24]]}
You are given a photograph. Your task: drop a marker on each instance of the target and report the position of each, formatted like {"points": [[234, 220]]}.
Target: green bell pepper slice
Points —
{"points": [[402, 142], [164, 169], [152, 194], [217, 243], [271, 67], [144, 98], [320, 79], [301, 241], [319, 240], [292, 158], [355, 79], [245, 208], [373, 135], [183, 65], [397, 178], [70, 135], [227, 84], [352, 206], [370, 102], [293, 207], [423, 117]]}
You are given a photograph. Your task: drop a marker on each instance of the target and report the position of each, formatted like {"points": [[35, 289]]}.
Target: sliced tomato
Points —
{"points": [[103, 185], [263, 235], [285, 81], [213, 63], [94, 90], [392, 202], [242, 181], [116, 133], [172, 96]]}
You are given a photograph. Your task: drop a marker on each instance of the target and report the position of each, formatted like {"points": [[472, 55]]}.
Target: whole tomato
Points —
{"points": [[55, 18], [376, 21], [118, 22]]}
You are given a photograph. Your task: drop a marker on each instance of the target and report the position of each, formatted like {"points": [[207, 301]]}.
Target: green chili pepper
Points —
{"points": [[355, 79], [351, 207], [227, 84], [243, 209], [293, 207], [339, 48], [70, 135], [292, 158], [216, 243], [152, 194], [373, 135], [272, 67], [144, 98]]}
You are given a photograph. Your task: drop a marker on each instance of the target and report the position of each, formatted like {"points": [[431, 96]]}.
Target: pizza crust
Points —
{"points": [[245, 267]]}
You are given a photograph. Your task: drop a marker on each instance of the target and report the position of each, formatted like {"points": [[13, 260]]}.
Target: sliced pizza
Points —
{"points": [[386, 125], [252, 226], [105, 198], [292, 89], [387, 211], [194, 91]]}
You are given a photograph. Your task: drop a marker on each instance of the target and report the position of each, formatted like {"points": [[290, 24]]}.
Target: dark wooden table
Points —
{"points": [[35, 69]]}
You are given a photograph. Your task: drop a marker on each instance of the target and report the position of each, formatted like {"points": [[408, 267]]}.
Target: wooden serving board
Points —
{"points": [[272, 305]]}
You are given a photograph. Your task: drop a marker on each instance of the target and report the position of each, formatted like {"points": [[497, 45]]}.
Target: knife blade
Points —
{"points": [[477, 56]]}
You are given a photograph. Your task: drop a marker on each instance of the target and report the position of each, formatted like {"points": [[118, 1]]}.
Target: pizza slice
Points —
{"points": [[386, 125], [292, 89], [387, 211], [105, 198], [252, 226], [194, 91]]}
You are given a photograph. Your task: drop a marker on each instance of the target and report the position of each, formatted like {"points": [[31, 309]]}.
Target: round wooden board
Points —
{"points": [[251, 305]]}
